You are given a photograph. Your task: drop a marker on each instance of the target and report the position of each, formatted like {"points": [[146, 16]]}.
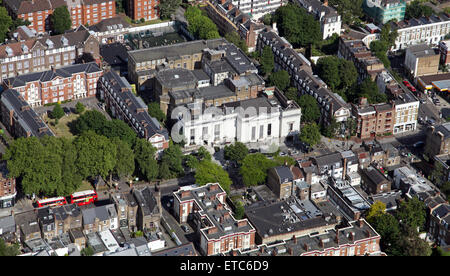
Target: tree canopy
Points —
{"points": [[145, 159], [297, 26], [155, 111], [171, 162], [199, 25], [236, 152], [350, 10], [208, 171], [233, 37], [267, 60], [61, 20], [168, 7], [280, 79], [310, 134], [337, 73], [5, 23], [254, 169], [416, 10], [8, 250]]}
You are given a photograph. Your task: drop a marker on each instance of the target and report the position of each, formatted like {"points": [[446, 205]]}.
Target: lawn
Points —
{"points": [[62, 129]]}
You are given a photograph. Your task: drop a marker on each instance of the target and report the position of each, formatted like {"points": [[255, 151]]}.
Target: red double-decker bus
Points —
{"points": [[54, 201], [83, 197]]}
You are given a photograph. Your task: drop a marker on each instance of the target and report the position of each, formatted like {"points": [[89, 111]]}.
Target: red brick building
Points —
{"points": [[7, 188], [147, 9], [219, 231], [82, 11], [57, 85], [373, 120]]}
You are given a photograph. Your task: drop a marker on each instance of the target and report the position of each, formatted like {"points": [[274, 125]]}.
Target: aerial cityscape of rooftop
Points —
{"points": [[224, 128]]}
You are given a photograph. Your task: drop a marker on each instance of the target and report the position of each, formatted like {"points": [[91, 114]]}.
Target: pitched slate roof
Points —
{"points": [[26, 116]]}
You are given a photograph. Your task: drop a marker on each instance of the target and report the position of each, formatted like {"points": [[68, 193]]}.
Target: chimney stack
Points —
{"points": [[361, 223], [294, 239], [344, 169]]}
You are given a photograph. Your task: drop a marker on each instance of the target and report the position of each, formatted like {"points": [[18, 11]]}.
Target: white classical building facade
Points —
{"points": [[265, 120]]}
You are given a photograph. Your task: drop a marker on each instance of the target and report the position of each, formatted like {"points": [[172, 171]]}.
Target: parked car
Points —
{"points": [[185, 228]]}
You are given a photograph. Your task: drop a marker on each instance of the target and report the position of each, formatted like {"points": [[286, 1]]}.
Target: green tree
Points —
{"points": [[416, 10], [79, 108], [5, 23], [267, 19], [369, 90], [292, 94], [8, 250], [70, 178], [90, 120], [87, 251], [412, 213], [283, 160], [239, 210], [191, 161], [57, 112], [209, 172], [297, 26], [19, 22], [97, 155], [310, 134], [37, 165], [200, 26], [168, 7], [254, 169], [203, 154], [61, 20], [280, 79], [267, 60], [331, 129], [389, 229], [378, 208], [310, 109], [347, 73], [236, 152], [328, 70], [350, 10], [125, 164], [120, 6], [233, 37], [155, 111], [120, 129], [145, 159], [410, 244], [172, 159]]}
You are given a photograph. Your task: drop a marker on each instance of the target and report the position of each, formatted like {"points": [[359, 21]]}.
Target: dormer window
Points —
{"points": [[49, 43], [64, 41], [24, 49], [9, 51]]}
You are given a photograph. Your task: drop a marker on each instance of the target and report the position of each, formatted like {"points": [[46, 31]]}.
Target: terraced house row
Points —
{"points": [[331, 105], [229, 18], [38, 12]]}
